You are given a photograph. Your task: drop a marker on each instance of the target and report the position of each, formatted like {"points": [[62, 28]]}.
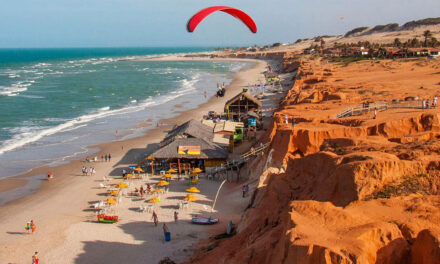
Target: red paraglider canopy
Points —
{"points": [[202, 14]]}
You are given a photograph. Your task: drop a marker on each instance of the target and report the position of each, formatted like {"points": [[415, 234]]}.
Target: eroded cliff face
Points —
{"points": [[346, 190]]}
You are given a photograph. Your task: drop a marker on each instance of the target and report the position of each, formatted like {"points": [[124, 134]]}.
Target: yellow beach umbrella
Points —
{"points": [[193, 190], [139, 170], [162, 183], [190, 198], [158, 191], [171, 171], [111, 201], [196, 170], [128, 175], [150, 158], [114, 193], [154, 200], [194, 181], [167, 176], [122, 185]]}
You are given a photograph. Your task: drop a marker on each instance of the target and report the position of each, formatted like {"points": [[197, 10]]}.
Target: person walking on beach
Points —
{"points": [[91, 171], [105, 157], [243, 190], [84, 171], [375, 113], [109, 157], [33, 227], [434, 101], [176, 216], [35, 258], [155, 218]]}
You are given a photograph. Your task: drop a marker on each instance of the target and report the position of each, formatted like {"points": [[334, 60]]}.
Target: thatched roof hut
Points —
{"points": [[241, 104], [208, 150], [190, 129]]}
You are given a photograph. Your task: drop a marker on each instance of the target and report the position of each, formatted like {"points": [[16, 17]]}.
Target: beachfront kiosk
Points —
{"points": [[185, 154], [240, 105]]}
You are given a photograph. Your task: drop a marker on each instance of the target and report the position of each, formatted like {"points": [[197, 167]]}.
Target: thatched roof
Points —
{"points": [[245, 94], [190, 129], [207, 150]]}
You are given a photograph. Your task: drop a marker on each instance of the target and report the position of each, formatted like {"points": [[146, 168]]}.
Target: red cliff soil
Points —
{"points": [[346, 190]]}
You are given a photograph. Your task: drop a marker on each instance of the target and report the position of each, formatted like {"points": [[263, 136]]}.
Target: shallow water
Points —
{"points": [[54, 103]]}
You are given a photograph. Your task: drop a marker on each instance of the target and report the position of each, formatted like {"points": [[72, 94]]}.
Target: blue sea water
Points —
{"points": [[55, 102]]}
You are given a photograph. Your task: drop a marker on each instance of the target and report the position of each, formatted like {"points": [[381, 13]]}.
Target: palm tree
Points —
{"points": [[427, 34]]}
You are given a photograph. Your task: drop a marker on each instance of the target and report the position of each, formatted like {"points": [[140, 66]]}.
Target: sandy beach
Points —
{"points": [[66, 228]]}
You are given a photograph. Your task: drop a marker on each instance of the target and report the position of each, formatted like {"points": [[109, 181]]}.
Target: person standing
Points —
{"points": [[165, 228], [246, 189], [28, 227], [141, 190], [109, 157], [148, 188], [286, 119], [105, 157], [423, 104], [434, 101], [84, 171], [35, 258], [176, 216], [243, 190], [33, 227], [375, 113], [91, 171], [155, 218], [102, 158]]}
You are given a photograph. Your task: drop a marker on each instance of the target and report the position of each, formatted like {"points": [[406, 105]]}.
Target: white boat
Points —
{"points": [[204, 221]]}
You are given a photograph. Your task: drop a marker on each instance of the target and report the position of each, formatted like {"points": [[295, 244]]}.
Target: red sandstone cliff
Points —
{"points": [[348, 190]]}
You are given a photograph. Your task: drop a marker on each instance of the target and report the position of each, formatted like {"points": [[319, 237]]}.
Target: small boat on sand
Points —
{"points": [[106, 219], [204, 221]]}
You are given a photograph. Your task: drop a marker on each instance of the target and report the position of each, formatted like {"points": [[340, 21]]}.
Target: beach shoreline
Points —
{"points": [[69, 188], [6, 186]]}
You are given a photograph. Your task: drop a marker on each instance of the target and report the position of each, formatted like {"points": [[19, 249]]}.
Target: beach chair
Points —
{"points": [[142, 209], [183, 205], [103, 185], [149, 208]]}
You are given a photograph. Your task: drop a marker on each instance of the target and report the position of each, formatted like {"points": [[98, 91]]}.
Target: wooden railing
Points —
{"points": [[361, 109], [243, 158]]}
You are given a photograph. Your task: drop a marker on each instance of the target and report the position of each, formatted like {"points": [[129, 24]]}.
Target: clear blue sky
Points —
{"points": [[110, 23]]}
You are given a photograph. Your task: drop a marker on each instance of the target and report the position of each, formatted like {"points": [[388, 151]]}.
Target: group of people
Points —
{"points": [[164, 226], [425, 103], [30, 227], [86, 172], [143, 190], [106, 157]]}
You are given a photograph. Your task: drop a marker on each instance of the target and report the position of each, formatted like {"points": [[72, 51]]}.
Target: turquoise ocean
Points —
{"points": [[55, 102]]}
